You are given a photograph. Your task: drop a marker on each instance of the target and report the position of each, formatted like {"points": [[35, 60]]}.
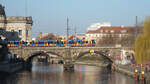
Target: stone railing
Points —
{"points": [[18, 19]]}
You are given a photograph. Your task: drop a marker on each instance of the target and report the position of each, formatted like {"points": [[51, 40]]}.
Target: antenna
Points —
{"points": [[75, 31], [26, 12], [67, 29], [136, 26]]}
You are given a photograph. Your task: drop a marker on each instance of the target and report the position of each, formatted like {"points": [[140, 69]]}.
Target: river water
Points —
{"points": [[54, 74]]}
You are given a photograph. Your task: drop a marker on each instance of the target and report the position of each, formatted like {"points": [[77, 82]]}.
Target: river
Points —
{"points": [[54, 74]]}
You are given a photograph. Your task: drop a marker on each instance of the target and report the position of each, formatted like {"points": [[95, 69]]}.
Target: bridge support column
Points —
{"points": [[68, 66]]}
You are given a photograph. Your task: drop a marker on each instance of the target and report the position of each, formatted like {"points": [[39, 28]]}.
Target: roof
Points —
{"points": [[116, 29]]}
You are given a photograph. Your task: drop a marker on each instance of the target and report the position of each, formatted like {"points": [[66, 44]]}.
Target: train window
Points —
{"points": [[22, 42], [79, 41], [57, 42], [26, 42], [51, 42], [70, 42], [45, 42], [8, 42], [41, 42], [16, 42], [93, 41], [74, 42], [62, 42], [32, 42]]}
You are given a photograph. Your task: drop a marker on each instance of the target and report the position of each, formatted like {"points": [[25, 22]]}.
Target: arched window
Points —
{"points": [[20, 32]]}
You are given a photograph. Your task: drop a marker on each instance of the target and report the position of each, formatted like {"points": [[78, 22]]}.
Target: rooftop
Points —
{"points": [[115, 29]]}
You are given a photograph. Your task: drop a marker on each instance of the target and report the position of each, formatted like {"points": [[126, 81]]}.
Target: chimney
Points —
{"points": [[40, 35]]}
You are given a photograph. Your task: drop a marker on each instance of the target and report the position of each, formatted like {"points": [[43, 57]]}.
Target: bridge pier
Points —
{"points": [[68, 66]]}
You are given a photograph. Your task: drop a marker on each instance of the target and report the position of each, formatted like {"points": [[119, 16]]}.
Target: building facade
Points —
{"points": [[15, 27], [116, 33]]}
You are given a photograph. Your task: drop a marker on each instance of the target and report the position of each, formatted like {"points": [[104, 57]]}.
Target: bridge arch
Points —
{"points": [[30, 58], [97, 52]]}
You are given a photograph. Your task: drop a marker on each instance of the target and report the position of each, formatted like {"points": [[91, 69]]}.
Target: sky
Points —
{"points": [[50, 16]]}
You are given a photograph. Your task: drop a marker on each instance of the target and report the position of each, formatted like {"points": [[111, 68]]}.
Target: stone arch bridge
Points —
{"points": [[65, 52]]}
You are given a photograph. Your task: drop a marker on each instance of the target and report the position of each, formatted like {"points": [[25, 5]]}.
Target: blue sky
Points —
{"points": [[49, 16]]}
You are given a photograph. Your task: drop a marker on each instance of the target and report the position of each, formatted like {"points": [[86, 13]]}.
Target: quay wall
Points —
{"points": [[117, 69]]}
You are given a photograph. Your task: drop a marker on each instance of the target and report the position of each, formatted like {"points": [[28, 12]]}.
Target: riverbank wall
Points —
{"points": [[92, 64], [124, 71], [131, 73], [10, 68], [120, 69]]}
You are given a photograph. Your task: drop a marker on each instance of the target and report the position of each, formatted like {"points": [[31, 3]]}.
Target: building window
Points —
{"points": [[101, 31], [12, 32], [20, 32], [27, 33], [112, 31], [123, 31], [106, 30]]}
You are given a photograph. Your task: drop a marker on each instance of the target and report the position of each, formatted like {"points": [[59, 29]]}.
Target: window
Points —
{"points": [[106, 30], [27, 33], [20, 32], [112, 31], [101, 31], [123, 31], [12, 32]]}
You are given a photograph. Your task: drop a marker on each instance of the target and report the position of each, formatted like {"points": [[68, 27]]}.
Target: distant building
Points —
{"points": [[15, 27], [47, 36], [72, 37], [62, 37], [81, 36], [114, 31]]}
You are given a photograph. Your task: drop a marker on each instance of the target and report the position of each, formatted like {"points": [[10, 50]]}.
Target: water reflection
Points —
{"points": [[54, 74]]}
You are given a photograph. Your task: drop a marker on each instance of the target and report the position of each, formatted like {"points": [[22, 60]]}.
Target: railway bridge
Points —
{"points": [[68, 54]]}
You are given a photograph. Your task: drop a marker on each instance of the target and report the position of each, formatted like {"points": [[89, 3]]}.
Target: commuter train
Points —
{"points": [[51, 43]]}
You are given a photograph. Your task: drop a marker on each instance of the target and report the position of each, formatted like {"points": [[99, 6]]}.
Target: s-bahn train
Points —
{"points": [[51, 43]]}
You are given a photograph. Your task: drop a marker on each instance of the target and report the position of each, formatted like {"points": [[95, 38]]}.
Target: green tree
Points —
{"points": [[142, 44]]}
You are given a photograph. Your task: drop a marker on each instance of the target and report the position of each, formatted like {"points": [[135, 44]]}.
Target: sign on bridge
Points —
{"points": [[91, 51]]}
